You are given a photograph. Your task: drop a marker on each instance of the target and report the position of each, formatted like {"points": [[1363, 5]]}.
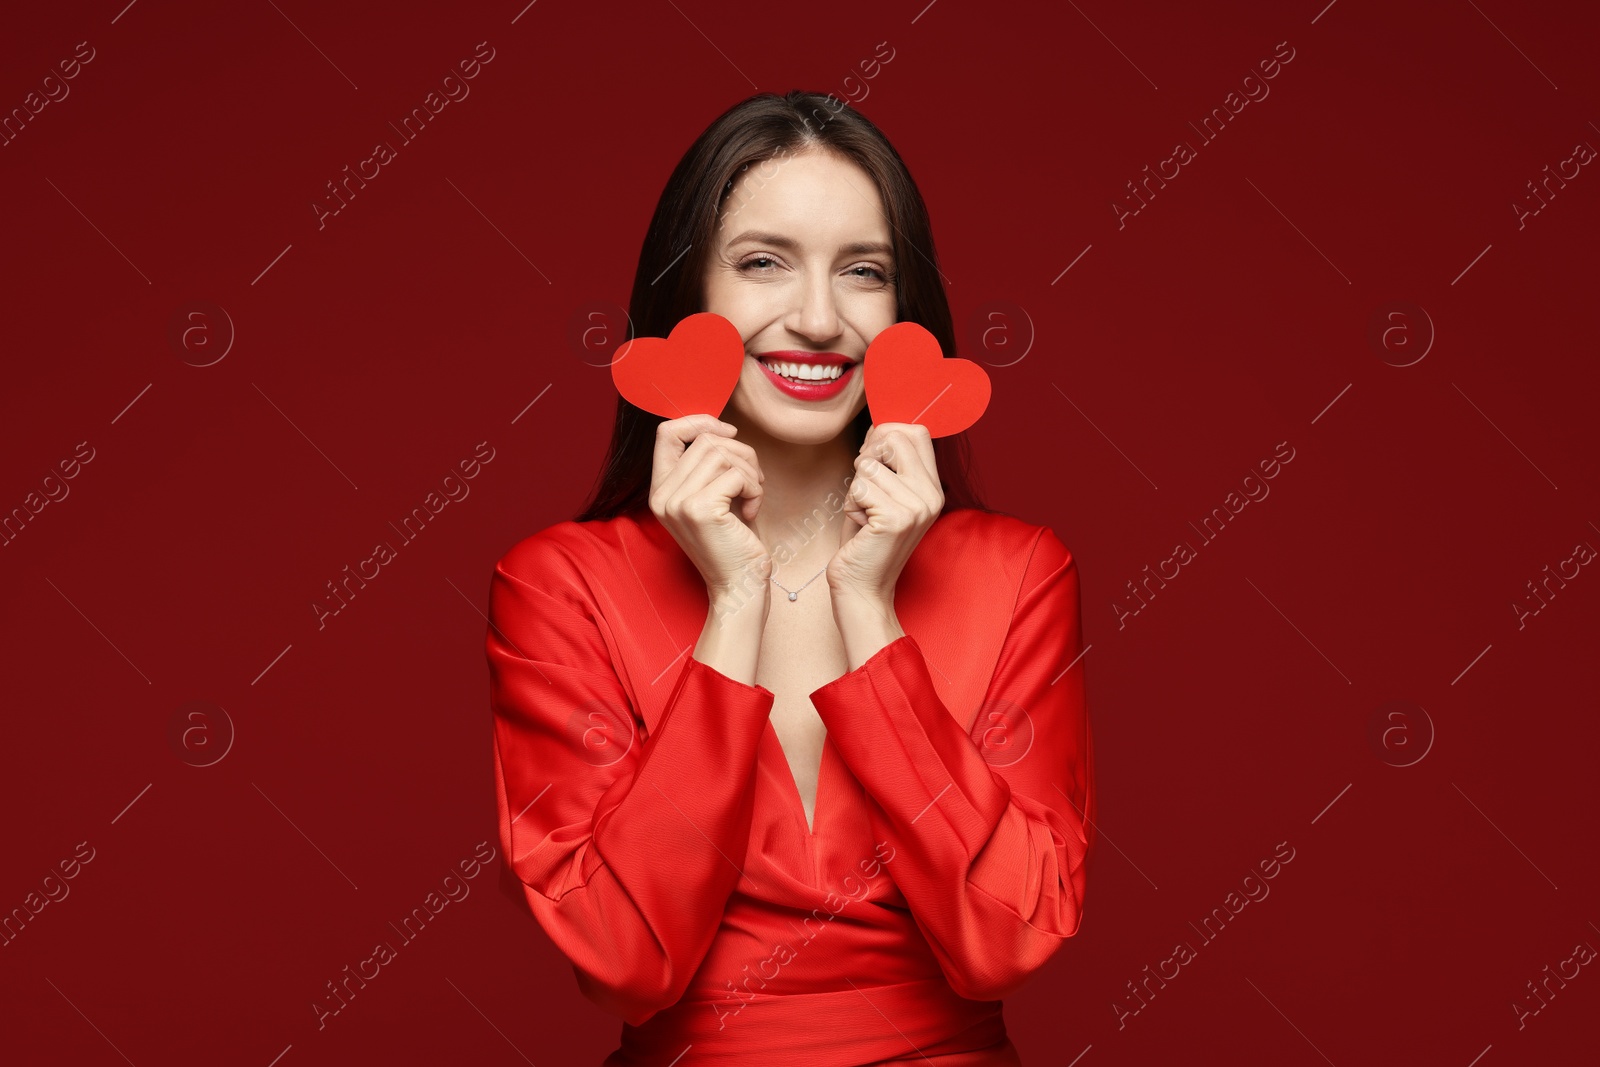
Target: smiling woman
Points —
{"points": [[763, 826], [759, 163]]}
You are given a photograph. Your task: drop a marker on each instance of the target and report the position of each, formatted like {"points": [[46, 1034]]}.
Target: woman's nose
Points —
{"points": [[817, 317]]}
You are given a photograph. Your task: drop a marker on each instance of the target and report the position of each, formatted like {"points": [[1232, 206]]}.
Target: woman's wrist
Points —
{"points": [[744, 605], [730, 641], [866, 625]]}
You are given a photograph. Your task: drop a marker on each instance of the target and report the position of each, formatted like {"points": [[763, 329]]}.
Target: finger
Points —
{"points": [[677, 435], [706, 459], [908, 449], [731, 483], [848, 530], [721, 451], [921, 442], [894, 492], [855, 512], [680, 432], [706, 467], [703, 459], [672, 440], [742, 452], [860, 498], [904, 446]]}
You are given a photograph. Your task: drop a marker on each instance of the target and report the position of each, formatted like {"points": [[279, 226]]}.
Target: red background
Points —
{"points": [[371, 355]]}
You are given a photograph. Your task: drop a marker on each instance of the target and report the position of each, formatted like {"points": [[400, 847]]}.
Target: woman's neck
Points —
{"points": [[802, 510]]}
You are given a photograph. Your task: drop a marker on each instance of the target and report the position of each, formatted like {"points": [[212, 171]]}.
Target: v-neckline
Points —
{"points": [[796, 802], [923, 598]]}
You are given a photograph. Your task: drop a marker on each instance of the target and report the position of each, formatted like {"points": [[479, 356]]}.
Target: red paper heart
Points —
{"points": [[908, 379], [692, 371]]}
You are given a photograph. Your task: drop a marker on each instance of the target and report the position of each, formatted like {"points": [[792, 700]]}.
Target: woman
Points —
{"points": [[770, 818]]}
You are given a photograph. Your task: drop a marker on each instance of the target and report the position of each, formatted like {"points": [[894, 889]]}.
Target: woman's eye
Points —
{"points": [[861, 272]]}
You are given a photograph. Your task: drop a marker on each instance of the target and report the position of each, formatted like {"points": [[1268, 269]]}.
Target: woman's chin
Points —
{"points": [[798, 426], [794, 422]]}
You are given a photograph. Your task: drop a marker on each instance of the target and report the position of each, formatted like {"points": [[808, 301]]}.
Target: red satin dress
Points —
{"points": [[647, 808]]}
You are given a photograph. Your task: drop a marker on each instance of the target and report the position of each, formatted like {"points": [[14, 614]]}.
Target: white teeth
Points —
{"points": [[806, 372]]}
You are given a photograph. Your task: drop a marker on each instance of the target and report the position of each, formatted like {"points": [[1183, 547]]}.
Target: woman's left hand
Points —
{"points": [[894, 498]]}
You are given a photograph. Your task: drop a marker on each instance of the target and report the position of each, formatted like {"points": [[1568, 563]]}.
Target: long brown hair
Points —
{"points": [[669, 282]]}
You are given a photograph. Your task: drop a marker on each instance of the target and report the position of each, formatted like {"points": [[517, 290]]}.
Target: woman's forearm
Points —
{"points": [[730, 641]]}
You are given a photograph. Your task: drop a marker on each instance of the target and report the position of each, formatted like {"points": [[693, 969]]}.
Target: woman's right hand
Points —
{"points": [[699, 470]]}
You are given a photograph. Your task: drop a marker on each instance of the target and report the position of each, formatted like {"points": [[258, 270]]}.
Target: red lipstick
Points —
{"points": [[814, 389]]}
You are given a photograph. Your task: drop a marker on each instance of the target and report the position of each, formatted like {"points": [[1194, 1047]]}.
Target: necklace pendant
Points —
{"points": [[794, 596]]}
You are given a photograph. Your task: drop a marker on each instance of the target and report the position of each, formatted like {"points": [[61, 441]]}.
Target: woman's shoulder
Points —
{"points": [[1005, 535], [565, 550]]}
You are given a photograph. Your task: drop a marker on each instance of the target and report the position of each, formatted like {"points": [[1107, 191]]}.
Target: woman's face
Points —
{"points": [[801, 265]]}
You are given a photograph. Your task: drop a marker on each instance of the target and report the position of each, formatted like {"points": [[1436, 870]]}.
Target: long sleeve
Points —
{"points": [[627, 850], [991, 827]]}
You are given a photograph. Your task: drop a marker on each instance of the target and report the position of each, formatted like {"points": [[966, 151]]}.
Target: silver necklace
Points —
{"points": [[794, 594]]}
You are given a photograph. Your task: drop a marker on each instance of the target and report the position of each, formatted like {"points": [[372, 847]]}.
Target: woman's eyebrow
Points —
{"points": [[856, 248]]}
